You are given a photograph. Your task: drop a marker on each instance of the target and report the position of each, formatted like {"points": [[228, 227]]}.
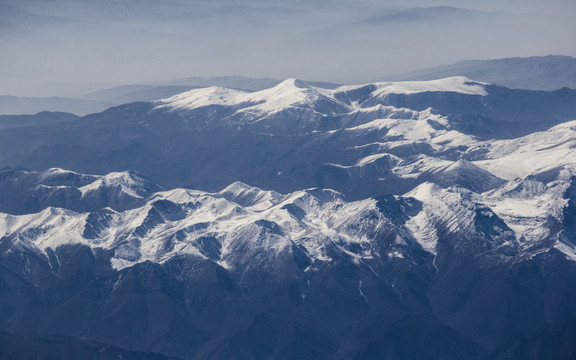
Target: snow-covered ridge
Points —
{"points": [[268, 223], [291, 92], [297, 93], [242, 225], [532, 154], [32, 191], [458, 84], [125, 182]]}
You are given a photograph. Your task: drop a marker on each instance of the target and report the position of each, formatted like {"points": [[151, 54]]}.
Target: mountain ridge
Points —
{"points": [[549, 72]]}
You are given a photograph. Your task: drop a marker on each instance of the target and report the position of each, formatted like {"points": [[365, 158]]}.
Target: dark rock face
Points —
{"points": [[186, 308]]}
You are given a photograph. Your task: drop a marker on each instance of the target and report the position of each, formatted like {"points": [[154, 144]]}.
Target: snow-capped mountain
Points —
{"points": [[296, 136], [536, 72], [301, 101], [242, 244], [176, 222], [390, 220]]}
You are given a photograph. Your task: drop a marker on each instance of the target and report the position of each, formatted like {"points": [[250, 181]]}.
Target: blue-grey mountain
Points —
{"points": [[408, 220]]}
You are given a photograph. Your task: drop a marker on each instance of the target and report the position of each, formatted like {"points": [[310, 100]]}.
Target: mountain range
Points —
{"points": [[21, 105], [396, 220], [353, 139]]}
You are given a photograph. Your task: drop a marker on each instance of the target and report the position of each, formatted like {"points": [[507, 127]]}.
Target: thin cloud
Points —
{"points": [[86, 43]]}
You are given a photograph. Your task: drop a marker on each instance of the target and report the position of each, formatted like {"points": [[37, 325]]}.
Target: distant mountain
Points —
{"points": [[536, 73], [232, 82], [15, 105], [133, 93], [42, 118], [242, 83], [424, 14], [103, 99]]}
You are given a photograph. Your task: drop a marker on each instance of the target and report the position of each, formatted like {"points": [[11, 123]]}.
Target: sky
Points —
{"points": [[72, 47]]}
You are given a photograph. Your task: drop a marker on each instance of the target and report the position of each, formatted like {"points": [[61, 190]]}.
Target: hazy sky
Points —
{"points": [[49, 47]]}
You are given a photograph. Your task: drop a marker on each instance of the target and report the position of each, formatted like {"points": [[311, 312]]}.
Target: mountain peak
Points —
{"points": [[290, 93], [246, 195], [293, 82]]}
